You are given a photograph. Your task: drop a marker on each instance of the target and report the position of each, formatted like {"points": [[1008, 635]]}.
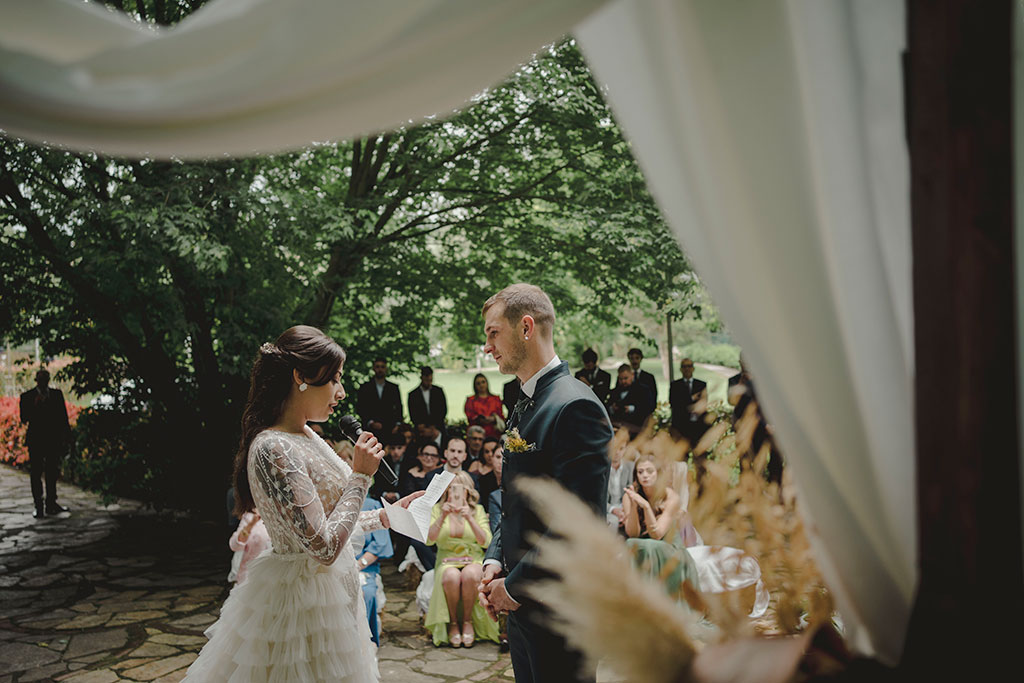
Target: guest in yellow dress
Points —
{"points": [[460, 529]]}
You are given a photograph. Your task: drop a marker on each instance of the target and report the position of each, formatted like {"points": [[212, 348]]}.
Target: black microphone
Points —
{"points": [[351, 428]]}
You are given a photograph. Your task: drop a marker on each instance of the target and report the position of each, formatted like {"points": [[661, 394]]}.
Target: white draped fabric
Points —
{"points": [[244, 76], [770, 133]]}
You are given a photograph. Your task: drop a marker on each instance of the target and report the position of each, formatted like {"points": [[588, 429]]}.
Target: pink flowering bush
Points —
{"points": [[13, 450]]}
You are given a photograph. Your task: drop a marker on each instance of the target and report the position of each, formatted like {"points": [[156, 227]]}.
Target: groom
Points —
{"points": [[568, 432]]}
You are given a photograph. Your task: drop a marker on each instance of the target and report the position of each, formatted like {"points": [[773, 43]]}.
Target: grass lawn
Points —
{"points": [[458, 385]]}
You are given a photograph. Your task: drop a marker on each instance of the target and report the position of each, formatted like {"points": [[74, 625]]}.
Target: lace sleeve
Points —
{"points": [[369, 520], [281, 473]]}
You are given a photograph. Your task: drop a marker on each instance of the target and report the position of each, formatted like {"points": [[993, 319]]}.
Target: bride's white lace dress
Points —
{"points": [[299, 616]]}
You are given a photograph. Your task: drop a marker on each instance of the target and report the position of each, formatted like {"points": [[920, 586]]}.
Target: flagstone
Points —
{"points": [[389, 651], [151, 649], [196, 620], [176, 639], [87, 643], [84, 621], [452, 667], [43, 673], [22, 656], [100, 676], [161, 667], [400, 671], [131, 663], [135, 617]]}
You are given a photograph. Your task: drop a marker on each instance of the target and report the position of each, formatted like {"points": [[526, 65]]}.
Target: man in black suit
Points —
{"points": [[642, 377], [629, 403], [688, 398], [569, 432], [378, 402], [510, 394], [48, 437], [596, 378], [427, 403]]}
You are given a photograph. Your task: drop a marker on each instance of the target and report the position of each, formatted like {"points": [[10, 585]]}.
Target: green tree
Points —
{"points": [[162, 278]]}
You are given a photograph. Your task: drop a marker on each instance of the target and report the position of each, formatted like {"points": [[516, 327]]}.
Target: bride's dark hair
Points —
{"points": [[316, 356]]}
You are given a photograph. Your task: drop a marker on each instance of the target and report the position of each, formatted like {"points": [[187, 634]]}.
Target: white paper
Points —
{"points": [[415, 520]]}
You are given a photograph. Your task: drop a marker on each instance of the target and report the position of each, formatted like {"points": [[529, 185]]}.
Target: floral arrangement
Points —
{"points": [[514, 443]]}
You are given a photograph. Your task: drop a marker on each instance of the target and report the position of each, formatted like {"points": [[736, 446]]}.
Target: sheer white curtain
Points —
{"points": [[245, 76], [771, 134]]}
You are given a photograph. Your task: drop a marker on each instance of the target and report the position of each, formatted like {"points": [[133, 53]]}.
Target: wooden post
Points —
{"points": [[966, 621]]}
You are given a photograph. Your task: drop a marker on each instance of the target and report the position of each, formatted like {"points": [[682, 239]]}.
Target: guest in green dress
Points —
{"points": [[654, 514], [460, 529]]}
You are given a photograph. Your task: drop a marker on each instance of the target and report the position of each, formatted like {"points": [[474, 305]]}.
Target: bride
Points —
{"points": [[300, 614]]}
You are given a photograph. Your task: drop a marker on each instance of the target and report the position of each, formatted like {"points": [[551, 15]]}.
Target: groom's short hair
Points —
{"points": [[522, 299]]}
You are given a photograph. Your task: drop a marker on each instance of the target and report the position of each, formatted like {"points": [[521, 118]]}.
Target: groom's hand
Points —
{"points": [[497, 598], [491, 570]]}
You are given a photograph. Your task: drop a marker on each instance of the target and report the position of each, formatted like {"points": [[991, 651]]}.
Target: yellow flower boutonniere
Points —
{"points": [[514, 443]]}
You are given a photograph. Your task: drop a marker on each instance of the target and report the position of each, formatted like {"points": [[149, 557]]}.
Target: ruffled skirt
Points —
{"points": [[292, 620]]}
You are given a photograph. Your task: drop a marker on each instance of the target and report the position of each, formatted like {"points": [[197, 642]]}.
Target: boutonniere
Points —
{"points": [[515, 443]]}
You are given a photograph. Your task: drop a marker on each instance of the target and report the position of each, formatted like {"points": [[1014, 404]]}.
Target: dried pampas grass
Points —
{"points": [[605, 607]]}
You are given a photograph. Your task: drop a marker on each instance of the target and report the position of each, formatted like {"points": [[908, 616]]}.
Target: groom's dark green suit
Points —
{"points": [[570, 431]]}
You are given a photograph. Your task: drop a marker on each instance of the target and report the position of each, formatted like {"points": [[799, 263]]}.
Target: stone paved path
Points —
{"points": [[120, 593]]}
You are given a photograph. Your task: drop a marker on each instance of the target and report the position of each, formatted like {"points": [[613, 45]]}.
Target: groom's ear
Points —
{"points": [[528, 326]]}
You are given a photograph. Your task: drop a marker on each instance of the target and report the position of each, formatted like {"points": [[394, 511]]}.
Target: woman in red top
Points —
{"points": [[484, 408]]}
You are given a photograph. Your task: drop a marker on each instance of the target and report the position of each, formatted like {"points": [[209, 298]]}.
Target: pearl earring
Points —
{"points": [[303, 386]]}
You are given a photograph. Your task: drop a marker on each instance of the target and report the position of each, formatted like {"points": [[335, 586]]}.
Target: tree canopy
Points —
{"points": [[165, 277]]}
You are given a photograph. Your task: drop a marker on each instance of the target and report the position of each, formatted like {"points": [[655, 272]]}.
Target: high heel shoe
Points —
{"points": [[454, 636], [468, 635]]}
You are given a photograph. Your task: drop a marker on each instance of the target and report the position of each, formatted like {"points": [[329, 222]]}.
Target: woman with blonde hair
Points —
{"points": [[460, 529]]}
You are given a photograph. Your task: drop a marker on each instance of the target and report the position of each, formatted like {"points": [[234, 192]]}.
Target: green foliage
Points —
{"points": [[115, 454], [715, 354], [162, 278]]}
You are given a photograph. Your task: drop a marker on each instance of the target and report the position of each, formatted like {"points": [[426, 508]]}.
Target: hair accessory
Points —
{"points": [[267, 348], [303, 386]]}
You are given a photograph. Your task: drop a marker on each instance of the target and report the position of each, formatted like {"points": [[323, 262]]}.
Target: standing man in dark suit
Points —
{"points": [[596, 378], [642, 377], [568, 432], [688, 398], [48, 437], [510, 394], [378, 402], [427, 403]]}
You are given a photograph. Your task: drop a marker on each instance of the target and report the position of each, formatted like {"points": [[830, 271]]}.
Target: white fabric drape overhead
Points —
{"points": [[244, 76], [771, 134]]}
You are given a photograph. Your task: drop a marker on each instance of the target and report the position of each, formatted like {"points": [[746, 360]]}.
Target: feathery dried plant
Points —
{"points": [[600, 596]]}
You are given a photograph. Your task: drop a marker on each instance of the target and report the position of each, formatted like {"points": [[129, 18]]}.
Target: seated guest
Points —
{"points": [[249, 540], [688, 397], [430, 432], [484, 408], [494, 504], [408, 435], [455, 458], [417, 478], [654, 517], [475, 437], [378, 401], [427, 403], [383, 487], [376, 545], [629, 403], [484, 471], [594, 377], [482, 465], [619, 477], [461, 532]]}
